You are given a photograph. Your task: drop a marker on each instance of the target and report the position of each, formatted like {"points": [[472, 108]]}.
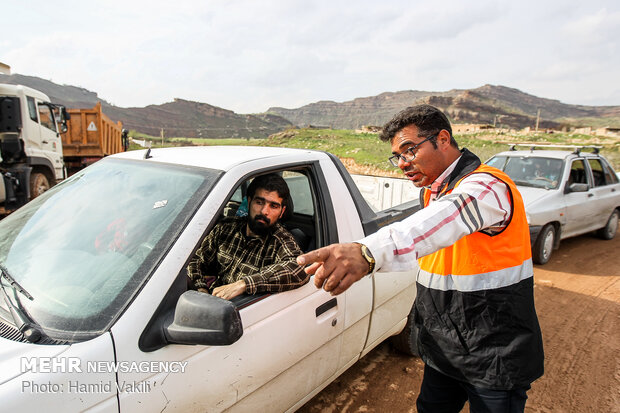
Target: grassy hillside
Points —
{"points": [[366, 150]]}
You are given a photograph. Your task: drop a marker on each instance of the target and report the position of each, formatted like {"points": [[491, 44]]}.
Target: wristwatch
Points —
{"points": [[368, 257]]}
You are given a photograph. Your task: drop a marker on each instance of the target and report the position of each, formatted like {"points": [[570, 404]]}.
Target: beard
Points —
{"points": [[260, 225]]}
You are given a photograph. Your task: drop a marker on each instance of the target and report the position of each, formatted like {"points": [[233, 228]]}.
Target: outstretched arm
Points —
{"points": [[335, 267], [481, 202]]}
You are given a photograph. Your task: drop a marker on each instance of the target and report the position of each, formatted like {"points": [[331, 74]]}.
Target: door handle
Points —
{"points": [[590, 195], [326, 306], [43, 141]]}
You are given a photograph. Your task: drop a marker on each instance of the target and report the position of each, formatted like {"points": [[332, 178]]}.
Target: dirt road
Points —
{"points": [[578, 303]]}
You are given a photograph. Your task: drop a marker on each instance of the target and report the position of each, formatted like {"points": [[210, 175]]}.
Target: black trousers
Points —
{"points": [[442, 394]]}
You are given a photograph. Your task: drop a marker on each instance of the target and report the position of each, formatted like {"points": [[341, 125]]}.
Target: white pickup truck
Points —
{"points": [[96, 313]]}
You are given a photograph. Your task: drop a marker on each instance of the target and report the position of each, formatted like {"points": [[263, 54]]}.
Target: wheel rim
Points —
{"points": [[548, 244], [612, 225]]}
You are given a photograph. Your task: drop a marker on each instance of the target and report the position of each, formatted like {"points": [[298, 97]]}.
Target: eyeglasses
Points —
{"points": [[408, 155]]}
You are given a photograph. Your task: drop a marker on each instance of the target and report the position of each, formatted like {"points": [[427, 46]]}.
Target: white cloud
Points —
{"points": [[249, 55]]}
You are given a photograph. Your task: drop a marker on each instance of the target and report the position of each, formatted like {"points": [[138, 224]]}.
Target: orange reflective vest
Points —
{"points": [[474, 310], [479, 253]]}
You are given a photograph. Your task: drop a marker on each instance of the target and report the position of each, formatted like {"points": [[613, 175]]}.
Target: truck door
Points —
{"points": [[31, 134], [50, 143], [290, 344]]}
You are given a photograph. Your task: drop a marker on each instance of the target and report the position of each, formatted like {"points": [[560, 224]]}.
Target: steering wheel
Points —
{"points": [[543, 178]]}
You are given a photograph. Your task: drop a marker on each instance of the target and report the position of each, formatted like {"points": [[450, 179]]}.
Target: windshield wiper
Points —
{"points": [[28, 327], [6, 274]]}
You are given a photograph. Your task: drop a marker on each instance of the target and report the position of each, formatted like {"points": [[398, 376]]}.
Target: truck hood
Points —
{"points": [[532, 195], [12, 353]]}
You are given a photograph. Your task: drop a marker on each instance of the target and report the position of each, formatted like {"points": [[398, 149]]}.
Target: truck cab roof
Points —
{"points": [[21, 90], [219, 157]]}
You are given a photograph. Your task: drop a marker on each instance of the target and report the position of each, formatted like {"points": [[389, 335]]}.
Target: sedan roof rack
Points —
{"points": [[577, 148]]}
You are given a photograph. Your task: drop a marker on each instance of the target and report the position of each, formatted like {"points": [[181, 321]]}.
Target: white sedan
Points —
{"points": [[566, 193]]}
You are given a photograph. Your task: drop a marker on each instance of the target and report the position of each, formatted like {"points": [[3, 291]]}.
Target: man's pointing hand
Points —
{"points": [[335, 267]]}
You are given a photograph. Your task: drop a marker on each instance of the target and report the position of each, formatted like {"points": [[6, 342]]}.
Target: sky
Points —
{"points": [[248, 56]]}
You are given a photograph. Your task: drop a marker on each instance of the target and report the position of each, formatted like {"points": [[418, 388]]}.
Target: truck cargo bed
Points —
{"points": [[90, 133]]}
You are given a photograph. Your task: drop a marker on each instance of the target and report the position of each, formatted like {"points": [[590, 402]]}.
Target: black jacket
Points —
{"points": [[489, 338]]}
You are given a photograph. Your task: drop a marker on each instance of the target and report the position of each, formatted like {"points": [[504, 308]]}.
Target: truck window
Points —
{"points": [[300, 192], [32, 109], [303, 220], [47, 118], [298, 184]]}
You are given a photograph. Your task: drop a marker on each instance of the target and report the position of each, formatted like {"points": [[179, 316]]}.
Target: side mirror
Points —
{"points": [[64, 117], [578, 187], [201, 318]]}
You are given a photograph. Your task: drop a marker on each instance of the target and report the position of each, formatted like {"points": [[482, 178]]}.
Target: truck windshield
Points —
{"points": [[531, 171], [84, 248]]}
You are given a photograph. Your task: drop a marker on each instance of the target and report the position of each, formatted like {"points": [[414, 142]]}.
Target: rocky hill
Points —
{"points": [[184, 118], [180, 118], [488, 104]]}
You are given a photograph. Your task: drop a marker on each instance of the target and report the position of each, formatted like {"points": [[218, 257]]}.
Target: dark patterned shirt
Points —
{"points": [[266, 264]]}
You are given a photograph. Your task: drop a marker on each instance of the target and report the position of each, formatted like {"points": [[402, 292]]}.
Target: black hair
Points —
{"points": [[428, 119], [273, 182]]}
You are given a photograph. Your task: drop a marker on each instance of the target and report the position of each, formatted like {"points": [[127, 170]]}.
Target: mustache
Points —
{"points": [[262, 217]]}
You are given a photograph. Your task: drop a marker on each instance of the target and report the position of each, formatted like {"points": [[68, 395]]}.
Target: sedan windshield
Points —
{"points": [[84, 248], [530, 171]]}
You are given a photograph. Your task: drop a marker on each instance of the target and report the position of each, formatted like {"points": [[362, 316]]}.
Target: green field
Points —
{"points": [[367, 150]]}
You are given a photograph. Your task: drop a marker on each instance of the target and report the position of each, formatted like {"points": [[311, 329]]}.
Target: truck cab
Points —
{"points": [[30, 144]]}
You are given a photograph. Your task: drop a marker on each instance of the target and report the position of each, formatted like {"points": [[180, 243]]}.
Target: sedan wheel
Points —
{"points": [[544, 245], [609, 230]]}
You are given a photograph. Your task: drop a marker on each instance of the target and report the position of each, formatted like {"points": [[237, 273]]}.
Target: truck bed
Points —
{"points": [[91, 133]]}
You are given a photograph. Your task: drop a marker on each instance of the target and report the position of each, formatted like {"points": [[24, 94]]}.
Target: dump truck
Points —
{"points": [[41, 143], [90, 136]]}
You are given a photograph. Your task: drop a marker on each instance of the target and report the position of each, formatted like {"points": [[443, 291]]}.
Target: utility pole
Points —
{"points": [[161, 133], [537, 119]]}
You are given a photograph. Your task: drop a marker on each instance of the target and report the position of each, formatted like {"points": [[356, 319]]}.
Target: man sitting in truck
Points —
{"points": [[250, 254]]}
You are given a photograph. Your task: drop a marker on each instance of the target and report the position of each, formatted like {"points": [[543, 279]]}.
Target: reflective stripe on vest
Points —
{"points": [[479, 261], [477, 282]]}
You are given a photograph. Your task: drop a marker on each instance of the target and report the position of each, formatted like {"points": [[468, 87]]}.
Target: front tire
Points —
{"points": [[609, 230], [39, 183], [543, 247]]}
